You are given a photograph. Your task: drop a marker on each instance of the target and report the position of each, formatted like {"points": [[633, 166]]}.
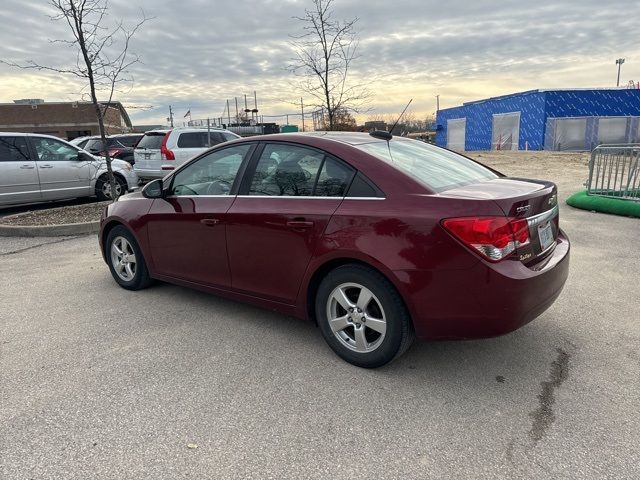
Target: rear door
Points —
{"points": [[286, 201], [187, 229], [62, 174], [18, 173]]}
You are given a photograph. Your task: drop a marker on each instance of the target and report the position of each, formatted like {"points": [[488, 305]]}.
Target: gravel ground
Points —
{"points": [[58, 216]]}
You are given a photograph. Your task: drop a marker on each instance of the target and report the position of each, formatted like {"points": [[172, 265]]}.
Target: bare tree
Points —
{"points": [[102, 57], [324, 54]]}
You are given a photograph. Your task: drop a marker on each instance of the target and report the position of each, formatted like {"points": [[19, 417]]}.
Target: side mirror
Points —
{"points": [[153, 189], [85, 156]]}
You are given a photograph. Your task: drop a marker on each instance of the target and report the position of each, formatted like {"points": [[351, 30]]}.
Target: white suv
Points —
{"points": [[159, 152]]}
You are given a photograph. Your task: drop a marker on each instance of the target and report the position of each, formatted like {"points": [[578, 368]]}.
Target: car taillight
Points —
{"points": [[165, 153], [495, 238], [114, 152]]}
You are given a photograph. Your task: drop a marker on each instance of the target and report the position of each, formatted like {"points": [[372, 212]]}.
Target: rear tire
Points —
{"points": [[103, 188], [126, 263], [362, 316]]}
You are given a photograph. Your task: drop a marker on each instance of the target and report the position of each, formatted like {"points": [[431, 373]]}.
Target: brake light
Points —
{"points": [[494, 238], [165, 153], [113, 152]]}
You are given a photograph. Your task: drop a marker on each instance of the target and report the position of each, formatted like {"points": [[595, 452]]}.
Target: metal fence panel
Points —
{"points": [[614, 172]]}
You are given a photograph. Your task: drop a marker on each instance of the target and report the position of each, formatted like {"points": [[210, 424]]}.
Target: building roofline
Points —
{"points": [[542, 90], [116, 104]]}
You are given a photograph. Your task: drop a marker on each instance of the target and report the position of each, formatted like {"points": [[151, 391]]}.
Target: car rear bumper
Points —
{"points": [[150, 174], [486, 300]]}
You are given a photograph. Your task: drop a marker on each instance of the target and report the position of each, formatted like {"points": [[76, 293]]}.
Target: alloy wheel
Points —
{"points": [[356, 317], [123, 259]]}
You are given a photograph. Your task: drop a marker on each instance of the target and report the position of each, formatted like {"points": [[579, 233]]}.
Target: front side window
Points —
{"points": [[436, 168], [290, 170], [212, 174], [13, 149], [52, 150]]}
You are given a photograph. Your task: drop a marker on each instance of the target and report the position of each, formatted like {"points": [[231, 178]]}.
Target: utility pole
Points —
{"points": [[170, 116], [302, 108], [437, 103], [619, 62], [228, 113]]}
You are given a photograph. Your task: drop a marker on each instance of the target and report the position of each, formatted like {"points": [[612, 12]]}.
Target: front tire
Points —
{"points": [[362, 316], [103, 187], [125, 260]]}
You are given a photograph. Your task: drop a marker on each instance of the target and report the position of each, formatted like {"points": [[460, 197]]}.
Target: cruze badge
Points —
{"points": [[552, 200]]}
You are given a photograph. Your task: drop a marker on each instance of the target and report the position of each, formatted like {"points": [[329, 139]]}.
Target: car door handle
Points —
{"points": [[210, 222], [46, 166], [299, 224], [27, 167]]}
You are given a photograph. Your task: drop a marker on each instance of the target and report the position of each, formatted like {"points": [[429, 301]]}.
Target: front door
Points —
{"points": [[62, 174], [18, 173], [187, 229], [274, 227]]}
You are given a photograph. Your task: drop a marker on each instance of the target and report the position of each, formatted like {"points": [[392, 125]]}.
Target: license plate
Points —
{"points": [[545, 234]]}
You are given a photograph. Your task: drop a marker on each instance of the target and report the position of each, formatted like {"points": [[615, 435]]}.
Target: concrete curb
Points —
{"points": [[64, 230]]}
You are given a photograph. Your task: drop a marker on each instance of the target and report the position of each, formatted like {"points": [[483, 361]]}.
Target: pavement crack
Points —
{"points": [[14, 252], [544, 416]]}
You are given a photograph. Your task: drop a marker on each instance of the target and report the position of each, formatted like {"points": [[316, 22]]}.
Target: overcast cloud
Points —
{"points": [[196, 53]]}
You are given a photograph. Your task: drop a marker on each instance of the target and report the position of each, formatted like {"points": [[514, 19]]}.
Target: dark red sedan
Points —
{"points": [[376, 239]]}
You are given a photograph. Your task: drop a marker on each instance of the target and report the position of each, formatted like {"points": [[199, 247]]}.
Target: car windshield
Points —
{"points": [[438, 169], [151, 140]]}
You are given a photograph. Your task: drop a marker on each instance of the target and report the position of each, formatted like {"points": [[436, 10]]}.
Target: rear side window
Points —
{"points": [[292, 171], [151, 141], [436, 168], [13, 149], [199, 139], [129, 140]]}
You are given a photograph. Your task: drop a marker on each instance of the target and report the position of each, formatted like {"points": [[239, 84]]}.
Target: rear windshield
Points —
{"points": [[151, 140], [438, 169], [129, 140]]}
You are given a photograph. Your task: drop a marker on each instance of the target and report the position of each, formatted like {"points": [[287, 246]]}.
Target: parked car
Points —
{"points": [[80, 142], [161, 151], [118, 146], [35, 168], [372, 237]]}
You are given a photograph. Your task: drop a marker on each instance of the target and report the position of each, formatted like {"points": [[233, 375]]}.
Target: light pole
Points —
{"points": [[619, 62]]}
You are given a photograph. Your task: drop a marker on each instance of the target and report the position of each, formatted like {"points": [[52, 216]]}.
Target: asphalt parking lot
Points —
{"points": [[99, 382]]}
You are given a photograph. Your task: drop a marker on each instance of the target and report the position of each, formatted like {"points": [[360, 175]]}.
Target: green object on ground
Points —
{"points": [[615, 206]]}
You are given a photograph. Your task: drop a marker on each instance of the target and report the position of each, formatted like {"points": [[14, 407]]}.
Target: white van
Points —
{"points": [[161, 151]]}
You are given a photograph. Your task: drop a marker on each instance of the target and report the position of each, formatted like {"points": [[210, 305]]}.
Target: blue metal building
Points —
{"points": [[542, 119]]}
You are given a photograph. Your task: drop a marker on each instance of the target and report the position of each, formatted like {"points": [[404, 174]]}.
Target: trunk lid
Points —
{"points": [[147, 154], [533, 200]]}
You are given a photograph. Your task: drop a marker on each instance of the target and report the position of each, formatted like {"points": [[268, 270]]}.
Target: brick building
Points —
{"points": [[63, 119]]}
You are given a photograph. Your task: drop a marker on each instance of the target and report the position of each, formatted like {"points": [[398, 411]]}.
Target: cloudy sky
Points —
{"points": [[197, 53]]}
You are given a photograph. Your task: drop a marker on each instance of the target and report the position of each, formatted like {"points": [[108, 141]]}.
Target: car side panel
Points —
{"points": [[268, 253], [19, 182]]}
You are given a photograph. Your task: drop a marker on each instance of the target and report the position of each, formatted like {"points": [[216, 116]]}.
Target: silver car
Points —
{"points": [[38, 168]]}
